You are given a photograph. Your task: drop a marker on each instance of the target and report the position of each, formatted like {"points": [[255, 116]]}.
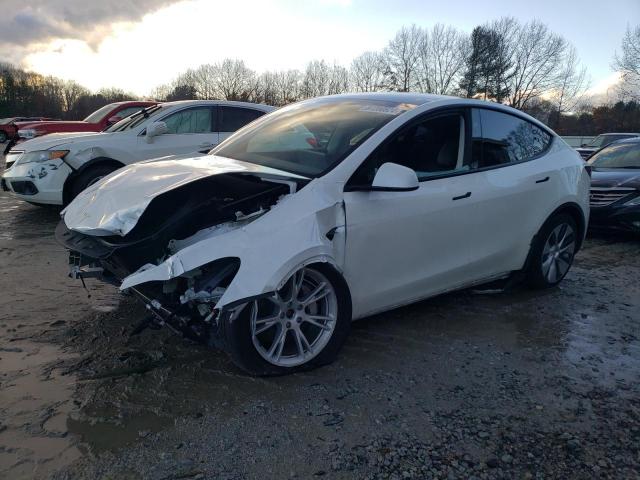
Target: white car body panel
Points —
{"points": [[392, 248], [124, 147]]}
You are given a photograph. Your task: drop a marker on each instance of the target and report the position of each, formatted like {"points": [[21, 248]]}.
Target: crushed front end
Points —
{"points": [[173, 221]]}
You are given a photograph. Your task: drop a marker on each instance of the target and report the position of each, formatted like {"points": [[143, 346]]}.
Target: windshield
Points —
{"points": [[136, 119], [99, 114], [621, 155], [604, 140], [309, 139]]}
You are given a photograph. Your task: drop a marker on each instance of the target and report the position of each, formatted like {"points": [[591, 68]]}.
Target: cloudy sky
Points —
{"points": [[138, 44]]}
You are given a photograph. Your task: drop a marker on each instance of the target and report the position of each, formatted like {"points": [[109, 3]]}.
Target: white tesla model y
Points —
{"points": [[330, 210]]}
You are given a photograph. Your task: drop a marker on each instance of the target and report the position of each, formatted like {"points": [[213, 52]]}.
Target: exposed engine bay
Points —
{"points": [[172, 221]]}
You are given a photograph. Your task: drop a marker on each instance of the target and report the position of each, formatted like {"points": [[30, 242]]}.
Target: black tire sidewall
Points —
{"points": [[82, 181], [239, 344], [3, 137], [536, 277]]}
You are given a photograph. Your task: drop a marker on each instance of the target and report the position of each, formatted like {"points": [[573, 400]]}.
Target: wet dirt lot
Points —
{"points": [[519, 384]]}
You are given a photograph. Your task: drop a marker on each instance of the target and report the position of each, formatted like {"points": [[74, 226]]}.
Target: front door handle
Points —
{"points": [[466, 195], [542, 180]]}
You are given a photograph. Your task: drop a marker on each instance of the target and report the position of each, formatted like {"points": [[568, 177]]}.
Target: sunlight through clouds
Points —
{"points": [[269, 35]]}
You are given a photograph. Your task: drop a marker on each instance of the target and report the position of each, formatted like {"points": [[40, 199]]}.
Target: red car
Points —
{"points": [[96, 122], [8, 129]]}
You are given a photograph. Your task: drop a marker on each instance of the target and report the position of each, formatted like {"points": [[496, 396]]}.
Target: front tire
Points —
{"points": [[553, 251], [300, 328], [88, 178]]}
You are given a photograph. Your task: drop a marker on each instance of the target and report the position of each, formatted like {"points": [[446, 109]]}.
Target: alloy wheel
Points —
{"points": [[558, 252], [295, 325]]}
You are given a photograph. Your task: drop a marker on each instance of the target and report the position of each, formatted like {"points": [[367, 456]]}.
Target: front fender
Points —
{"points": [[270, 248]]}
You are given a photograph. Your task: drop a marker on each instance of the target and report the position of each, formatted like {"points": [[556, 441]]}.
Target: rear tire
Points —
{"points": [[87, 178], [312, 334], [553, 251]]}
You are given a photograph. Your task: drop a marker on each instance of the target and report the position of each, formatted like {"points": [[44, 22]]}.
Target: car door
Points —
{"points": [[189, 130], [234, 118], [403, 246], [513, 190]]}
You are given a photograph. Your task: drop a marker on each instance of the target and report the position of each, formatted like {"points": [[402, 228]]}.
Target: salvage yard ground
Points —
{"points": [[519, 384]]}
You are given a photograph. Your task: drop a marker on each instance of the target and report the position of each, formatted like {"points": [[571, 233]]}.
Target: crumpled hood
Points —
{"points": [[53, 140], [113, 205]]}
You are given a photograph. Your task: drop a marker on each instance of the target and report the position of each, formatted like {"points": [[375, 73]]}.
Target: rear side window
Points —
{"points": [[192, 120], [505, 139], [234, 118]]}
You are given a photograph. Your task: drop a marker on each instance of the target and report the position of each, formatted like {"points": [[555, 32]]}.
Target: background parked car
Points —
{"points": [[53, 169], [96, 122], [8, 129], [601, 141], [615, 186]]}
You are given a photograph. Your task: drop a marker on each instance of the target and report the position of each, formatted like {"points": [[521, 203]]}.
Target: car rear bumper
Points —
{"points": [[37, 182]]}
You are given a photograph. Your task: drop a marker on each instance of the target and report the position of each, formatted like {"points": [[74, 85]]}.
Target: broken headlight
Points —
{"points": [[40, 156]]}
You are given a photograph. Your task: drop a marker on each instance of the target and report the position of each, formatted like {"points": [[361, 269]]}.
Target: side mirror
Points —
{"points": [[155, 129], [392, 177], [113, 120]]}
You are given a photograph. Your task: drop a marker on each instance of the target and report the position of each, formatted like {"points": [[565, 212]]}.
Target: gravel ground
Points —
{"points": [[518, 384]]}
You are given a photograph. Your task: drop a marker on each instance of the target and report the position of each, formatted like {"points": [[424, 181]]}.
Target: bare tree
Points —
{"points": [[442, 55], [366, 72], [71, 93], [401, 58], [338, 80], [234, 80], [571, 85], [538, 54], [316, 79], [288, 85], [203, 79], [628, 63]]}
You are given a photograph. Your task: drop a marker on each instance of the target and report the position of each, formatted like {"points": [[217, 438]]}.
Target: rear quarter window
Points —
{"points": [[507, 139]]}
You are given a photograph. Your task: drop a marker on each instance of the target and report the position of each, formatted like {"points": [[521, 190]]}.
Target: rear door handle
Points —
{"points": [[542, 180], [466, 195]]}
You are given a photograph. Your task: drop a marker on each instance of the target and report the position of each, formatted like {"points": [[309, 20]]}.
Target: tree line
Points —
{"points": [[31, 94], [524, 65]]}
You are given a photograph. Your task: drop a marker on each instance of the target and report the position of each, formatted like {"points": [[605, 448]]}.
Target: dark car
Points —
{"points": [[601, 141], [615, 186]]}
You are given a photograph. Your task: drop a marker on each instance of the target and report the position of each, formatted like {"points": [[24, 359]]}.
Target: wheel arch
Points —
{"points": [[574, 211], [94, 162]]}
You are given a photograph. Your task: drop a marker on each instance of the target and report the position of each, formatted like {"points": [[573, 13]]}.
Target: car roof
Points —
{"points": [[257, 106], [621, 133], [400, 97], [627, 140]]}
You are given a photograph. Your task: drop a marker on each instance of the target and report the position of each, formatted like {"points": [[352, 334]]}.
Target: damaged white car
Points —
{"points": [[330, 210]]}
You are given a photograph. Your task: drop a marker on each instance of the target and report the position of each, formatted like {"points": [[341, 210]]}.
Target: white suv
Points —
{"points": [[55, 168]]}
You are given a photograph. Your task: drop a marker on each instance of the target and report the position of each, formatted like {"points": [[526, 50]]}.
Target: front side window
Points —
{"points": [[192, 120], [234, 118], [433, 147], [506, 139], [310, 138], [621, 155]]}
